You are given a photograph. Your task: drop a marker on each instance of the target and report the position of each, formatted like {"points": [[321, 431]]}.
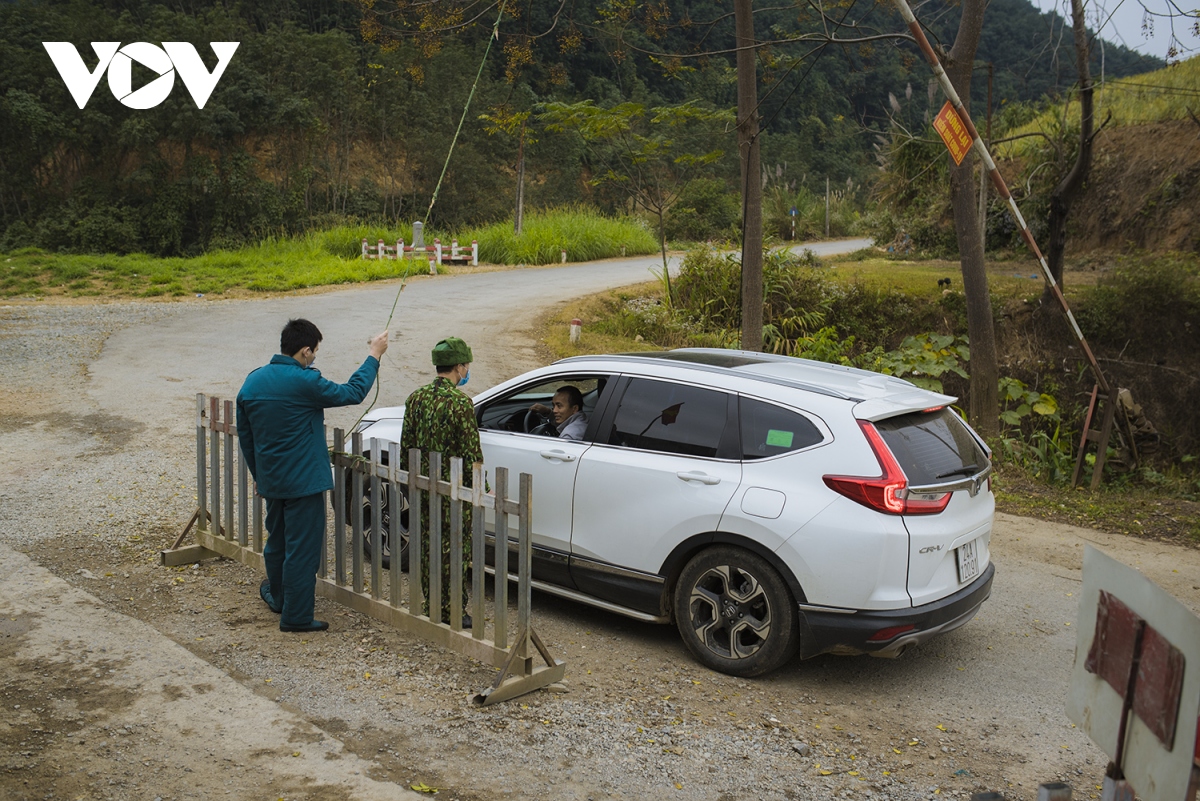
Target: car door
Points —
{"points": [[662, 469], [552, 462]]}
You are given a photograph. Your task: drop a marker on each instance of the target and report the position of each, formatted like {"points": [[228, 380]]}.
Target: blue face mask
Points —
{"points": [[462, 381]]}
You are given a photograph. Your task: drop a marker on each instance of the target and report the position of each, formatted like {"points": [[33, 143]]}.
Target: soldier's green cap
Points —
{"points": [[451, 351]]}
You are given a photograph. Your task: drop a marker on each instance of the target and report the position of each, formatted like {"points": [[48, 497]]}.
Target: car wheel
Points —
{"points": [[385, 521], [735, 613]]}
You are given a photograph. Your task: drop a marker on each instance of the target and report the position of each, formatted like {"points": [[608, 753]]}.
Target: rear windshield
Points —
{"points": [[932, 447]]}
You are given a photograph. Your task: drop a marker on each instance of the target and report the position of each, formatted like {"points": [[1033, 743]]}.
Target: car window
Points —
{"points": [[674, 418], [769, 430], [507, 413], [932, 447]]}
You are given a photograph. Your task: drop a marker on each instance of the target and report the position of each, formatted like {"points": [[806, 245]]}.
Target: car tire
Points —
{"points": [[735, 613], [385, 521]]}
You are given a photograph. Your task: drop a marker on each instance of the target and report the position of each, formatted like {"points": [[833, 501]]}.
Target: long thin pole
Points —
{"points": [[1001, 187]]}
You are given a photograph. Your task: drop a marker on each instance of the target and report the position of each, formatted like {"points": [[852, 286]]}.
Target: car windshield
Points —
{"points": [[933, 447]]}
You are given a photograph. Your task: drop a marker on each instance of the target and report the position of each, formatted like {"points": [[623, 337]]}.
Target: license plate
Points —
{"points": [[968, 561]]}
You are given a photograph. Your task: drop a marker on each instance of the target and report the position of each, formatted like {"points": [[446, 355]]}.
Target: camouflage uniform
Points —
{"points": [[439, 418]]}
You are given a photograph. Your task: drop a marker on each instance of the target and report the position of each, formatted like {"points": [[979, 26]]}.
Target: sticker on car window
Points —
{"points": [[779, 439]]}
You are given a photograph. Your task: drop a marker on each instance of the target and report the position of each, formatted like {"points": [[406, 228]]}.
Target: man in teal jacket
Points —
{"points": [[281, 430]]}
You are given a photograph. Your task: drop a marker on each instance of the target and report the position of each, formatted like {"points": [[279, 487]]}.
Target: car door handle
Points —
{"points": [[703, 478], [561, 456]]}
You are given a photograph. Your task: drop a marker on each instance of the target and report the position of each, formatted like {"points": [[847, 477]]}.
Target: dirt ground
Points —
{"points": [[91, 490]]}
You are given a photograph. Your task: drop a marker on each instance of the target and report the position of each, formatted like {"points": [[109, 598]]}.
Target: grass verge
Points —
{"points": [[319, 258]]}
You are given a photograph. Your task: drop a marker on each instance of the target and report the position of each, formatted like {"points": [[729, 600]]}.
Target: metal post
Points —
{"points": [[356, 517], [501, 558], [1116, 790], [201, 475], [1054, 791]]}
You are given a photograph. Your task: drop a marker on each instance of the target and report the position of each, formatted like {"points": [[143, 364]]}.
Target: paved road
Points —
{"points": [[209, 347]]}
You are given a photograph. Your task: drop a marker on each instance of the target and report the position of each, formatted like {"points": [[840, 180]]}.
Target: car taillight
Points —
{"points": [[888, 493]]}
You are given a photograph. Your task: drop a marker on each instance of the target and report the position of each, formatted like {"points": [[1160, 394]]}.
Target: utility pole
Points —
{"points": [[747, 135], [983, 178], [826, 206], [519, 213]]}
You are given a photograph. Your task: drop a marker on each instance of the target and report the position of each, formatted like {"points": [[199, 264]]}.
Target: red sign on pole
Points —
{"points": [[950, 127]]}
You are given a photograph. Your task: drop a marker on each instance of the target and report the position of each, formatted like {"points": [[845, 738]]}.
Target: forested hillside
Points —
{"points": [[323, 115]]}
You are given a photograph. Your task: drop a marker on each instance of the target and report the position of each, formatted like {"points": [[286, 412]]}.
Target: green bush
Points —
{"points": [[1147, 304], [584, 234], [704, 210]]}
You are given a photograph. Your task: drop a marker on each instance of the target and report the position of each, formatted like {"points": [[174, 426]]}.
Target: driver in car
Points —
{"points": [[567, 408]]}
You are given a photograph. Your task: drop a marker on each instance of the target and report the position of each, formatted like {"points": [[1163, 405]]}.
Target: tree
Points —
{"points": [[984, 407], [649, 154], [1067, 189]]}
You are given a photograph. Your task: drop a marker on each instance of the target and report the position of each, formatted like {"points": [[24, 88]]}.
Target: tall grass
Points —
{"points": [[1157, 96], [585, 236], [780, 198]]}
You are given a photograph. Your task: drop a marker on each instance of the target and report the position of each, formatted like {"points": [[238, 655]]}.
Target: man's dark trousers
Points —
{"points": [[296, 529]]}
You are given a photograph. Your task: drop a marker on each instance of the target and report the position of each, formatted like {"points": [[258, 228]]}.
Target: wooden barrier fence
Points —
{"points": [[229, 523], [382, 250]]}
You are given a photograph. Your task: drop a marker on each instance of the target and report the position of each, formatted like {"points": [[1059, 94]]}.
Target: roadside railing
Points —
{"points": [[228, 522]]}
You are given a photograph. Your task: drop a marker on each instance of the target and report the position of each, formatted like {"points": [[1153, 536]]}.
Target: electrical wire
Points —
{"points": [[445, 166]]}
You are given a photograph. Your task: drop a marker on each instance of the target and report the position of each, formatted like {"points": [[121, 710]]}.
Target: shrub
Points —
{"points": [[583, 233], [1143, 299], [704, 210]]}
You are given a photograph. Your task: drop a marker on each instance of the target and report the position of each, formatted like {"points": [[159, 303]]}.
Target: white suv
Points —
{"points": [[768, 505]]}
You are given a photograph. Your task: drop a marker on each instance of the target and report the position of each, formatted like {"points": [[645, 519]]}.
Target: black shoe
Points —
{"points": [[466, 621], [264, 592], [315, 625]]}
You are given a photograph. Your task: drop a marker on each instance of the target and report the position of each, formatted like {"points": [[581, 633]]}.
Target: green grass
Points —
{"points": [[585, 236], [1158, 96], [1006, 279], [319, 258]]}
